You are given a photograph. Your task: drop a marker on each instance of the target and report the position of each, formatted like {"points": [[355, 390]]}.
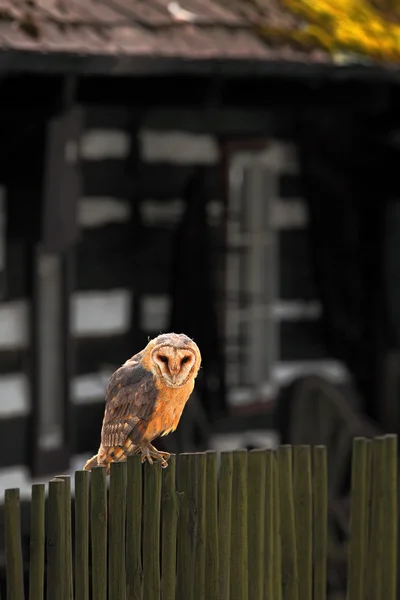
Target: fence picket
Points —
{"points": [[14, 565], [116, 540], [37, 543], [239, 553], [169, 523], [151, 531], [224, 523], [212, 556], [98, 525], [186, 526], [200, 531], [287, 525], [56, 571], [390, 516], [277, 559], [358, 520], [302, 489], [256, 523], [268, 584], [134, 500], [82, 535], [68, 592], [320, 517]]}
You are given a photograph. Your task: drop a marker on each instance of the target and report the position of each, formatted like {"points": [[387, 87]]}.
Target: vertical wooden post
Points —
{"points": [[52, 284], [14, 565], [98, 526], [37, 543], [320, 518], [302, 487], [390, 519], [212, 556], [256, 522], [200, 532], [287, 523], [56, 571], [169, 516], [239, 545], [358, 544], [225, 523], [269, 547], [151, 532], [186, 527], [134, 502], [117, 524], [81, 535]]}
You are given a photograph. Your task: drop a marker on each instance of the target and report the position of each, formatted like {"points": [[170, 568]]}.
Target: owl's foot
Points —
{"points": [[93, 462], [149, 453]]}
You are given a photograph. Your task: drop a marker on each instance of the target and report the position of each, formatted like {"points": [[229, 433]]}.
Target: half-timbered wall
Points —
{"points": [[135, 174]]}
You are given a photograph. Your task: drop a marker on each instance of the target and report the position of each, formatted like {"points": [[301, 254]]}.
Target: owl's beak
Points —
{"points": [[173, 378]]}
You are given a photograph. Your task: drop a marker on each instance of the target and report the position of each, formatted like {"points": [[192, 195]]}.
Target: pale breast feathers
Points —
{"points": [[130, 401]]}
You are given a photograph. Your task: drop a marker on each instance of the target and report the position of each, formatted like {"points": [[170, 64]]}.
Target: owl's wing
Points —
{"points": [[130, 400]]}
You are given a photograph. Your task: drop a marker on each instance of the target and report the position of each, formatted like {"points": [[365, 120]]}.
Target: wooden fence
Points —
{"points": [[251, 527]]}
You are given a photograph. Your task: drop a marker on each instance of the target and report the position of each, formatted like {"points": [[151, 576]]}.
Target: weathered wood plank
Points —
{"points": [[239, 545], [134, 500], [117, 524], [151, 531], [98, 524], [81, 535]]}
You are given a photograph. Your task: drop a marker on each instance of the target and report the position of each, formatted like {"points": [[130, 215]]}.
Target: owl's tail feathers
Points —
{"points": [[93, 462]]}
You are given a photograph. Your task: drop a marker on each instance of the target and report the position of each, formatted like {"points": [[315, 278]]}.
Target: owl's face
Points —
{"points": [[176, 359]]}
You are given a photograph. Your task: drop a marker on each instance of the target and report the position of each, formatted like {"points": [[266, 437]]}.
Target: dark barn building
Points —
{"points": [[166, 166]]}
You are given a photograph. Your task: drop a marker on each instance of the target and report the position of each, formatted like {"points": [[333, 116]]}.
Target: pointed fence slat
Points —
{"points": [[253, 529], [134, 500], [224, 523], [151, 531], [81, 535], [14, 565], [169, 523], [37, 543], [98, 522]]}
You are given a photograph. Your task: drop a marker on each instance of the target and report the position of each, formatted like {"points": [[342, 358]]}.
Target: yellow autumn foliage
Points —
{"points": [[347, 26]]}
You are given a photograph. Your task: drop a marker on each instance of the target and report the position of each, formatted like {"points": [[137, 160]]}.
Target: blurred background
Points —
{"points": [[219, 169]]}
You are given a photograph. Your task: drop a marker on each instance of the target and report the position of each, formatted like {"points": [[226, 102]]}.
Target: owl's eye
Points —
{"points": [[163, 359], [185, 359]]}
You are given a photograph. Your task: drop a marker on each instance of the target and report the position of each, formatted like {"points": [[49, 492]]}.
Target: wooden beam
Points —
{"points": [[52, 264]]}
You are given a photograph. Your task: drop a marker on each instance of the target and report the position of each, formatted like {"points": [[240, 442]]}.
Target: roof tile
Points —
{"points": [[164, 28]]}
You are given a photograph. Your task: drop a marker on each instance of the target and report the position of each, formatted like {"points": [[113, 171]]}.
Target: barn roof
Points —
{"points": [[202, 31]]}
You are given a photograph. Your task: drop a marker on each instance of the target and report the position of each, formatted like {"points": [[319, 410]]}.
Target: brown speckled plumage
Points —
{"points": [[145, 398]]}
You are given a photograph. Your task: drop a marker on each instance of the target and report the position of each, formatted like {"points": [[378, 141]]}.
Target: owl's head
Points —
{"points": [[176, 358]]}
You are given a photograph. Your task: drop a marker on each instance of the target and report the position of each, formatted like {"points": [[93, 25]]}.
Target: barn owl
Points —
{"points": [[145, 398]]}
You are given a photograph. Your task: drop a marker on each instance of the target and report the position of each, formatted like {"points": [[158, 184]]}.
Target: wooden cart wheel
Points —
{"points": [[314, 411]]}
